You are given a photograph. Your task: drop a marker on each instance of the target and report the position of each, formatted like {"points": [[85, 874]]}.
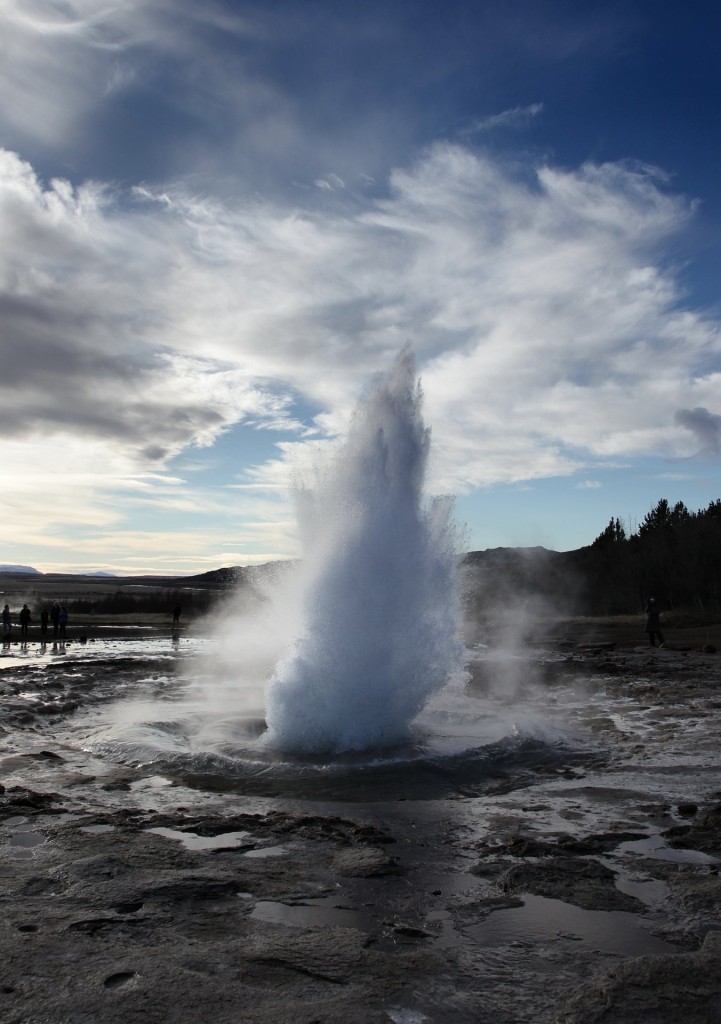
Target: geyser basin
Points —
{"points": [[363, 698], [462, 743]]}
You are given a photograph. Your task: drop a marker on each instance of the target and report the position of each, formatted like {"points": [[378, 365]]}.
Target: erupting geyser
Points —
{"points": [[380, 613]]}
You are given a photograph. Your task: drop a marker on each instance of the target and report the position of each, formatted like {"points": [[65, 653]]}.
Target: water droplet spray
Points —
{"points": [[379, 629]]}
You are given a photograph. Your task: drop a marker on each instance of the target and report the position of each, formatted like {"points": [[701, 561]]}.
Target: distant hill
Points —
{"points": [[235, 575], [514, 577], [678, 559]]}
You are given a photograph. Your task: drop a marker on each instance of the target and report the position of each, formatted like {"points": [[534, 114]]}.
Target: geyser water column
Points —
{"points": [[380, 609]]}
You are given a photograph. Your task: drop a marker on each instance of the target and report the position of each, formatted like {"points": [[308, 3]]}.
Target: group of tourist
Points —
{"points": [[57, 615]]}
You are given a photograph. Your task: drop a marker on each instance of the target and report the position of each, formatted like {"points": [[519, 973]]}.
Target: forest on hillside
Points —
{"points": [[675, 555]]}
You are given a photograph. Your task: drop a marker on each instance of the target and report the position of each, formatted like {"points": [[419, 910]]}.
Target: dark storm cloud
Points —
{"points": [[705, 425]]}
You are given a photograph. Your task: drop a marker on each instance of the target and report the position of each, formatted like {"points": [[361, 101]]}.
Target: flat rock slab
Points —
{"points": [[680, 989], [123, 924], [365, 862], [584, 883]]}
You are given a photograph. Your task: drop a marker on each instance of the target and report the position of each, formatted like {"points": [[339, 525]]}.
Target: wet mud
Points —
{"points": [[567, 873]]}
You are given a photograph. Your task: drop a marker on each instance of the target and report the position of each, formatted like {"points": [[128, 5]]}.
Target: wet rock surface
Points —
{"points": [[585, 883], [704, 834], [587, 891], [684, 987]]}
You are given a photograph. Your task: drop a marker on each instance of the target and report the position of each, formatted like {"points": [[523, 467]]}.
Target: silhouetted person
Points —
{"points": [[44, 616], [7, 621], [55, 617], [63, 621], [24, 620], [176, 615], [653, 622]]}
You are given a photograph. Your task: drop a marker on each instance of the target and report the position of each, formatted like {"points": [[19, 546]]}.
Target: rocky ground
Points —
{"points": [[124, 898]]}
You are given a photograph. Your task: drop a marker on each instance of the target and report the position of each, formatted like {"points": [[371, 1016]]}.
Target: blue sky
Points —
{"points": [[218, 221]]}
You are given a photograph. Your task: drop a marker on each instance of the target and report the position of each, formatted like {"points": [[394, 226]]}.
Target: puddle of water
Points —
{"points": [[650, 891], [268, 851], [312, 913], [97, 829], [541, 920], [192, 841], [23, 841], [655, 848]]}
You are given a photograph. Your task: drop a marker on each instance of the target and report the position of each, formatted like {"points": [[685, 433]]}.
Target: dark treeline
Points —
{"points": [[193, 602], [675, 555]]}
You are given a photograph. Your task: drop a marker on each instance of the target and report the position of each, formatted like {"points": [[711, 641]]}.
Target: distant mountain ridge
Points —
{"points": [[678, 562], [30, 571]]}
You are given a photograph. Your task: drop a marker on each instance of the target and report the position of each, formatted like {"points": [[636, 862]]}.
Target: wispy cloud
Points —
{"points": [[518, 117]]}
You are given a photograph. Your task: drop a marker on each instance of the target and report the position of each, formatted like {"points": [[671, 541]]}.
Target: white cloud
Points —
{"points": [[60, 62], [51, 57], [548, 328], [331, 183], [517, 117]]}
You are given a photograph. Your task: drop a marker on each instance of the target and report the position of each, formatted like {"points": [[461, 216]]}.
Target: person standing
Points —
{"points": [[7, 621], [63, 620], [653, 623], [25, 620]]}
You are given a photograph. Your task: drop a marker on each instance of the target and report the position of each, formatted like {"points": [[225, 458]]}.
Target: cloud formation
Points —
{"points": [[706, 427], [548, 332], [199, 238], [517, 117]]}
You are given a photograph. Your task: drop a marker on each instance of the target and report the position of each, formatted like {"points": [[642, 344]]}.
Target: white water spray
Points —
{"points": [[380, 614]]}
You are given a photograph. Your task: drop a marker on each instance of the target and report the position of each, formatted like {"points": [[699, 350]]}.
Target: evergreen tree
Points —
{"points": [[679, 514], [613, 534], [657, 519]]}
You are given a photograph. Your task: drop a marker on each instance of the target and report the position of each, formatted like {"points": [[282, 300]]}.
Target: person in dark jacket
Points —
{"points": [[25, 620], [653, 623]]}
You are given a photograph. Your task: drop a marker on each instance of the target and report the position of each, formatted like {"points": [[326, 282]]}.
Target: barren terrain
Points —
{"points": [[584, 889]]}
